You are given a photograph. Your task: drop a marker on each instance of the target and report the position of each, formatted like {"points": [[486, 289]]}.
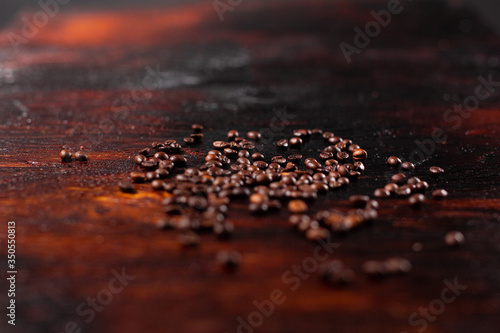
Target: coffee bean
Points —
{"points": [[359, 200], [126, 187], [220, 144], [178, 160], [312, 164], [282, 144], [80, 156], [197, 137], [391, 187], [158, 185], [325, 155], [65, 155], [381, 193], [394, 161], [229, 260], [398, 178], [454, 238], [359, 154], [295, 142], [254, 135], [223, 230], [232, 134], [334, 140], [138, 159], [316, 234], [161, 155], [416, 200], [257, 157], [243, 153], [188, 141], [295, 157], [137, 177], [407, 166], [197, 128], [439, 194], [279, 160], [189, 239], [434, 170], [297, 206], [342, 156], [403, 191], [302, 133]]}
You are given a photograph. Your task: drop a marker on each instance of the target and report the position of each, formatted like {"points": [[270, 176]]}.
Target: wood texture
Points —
{"points": [[83, 81]]}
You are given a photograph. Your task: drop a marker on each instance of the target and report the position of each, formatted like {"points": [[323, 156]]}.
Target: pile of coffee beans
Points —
{"points": [[68, 157], [199, 196]]}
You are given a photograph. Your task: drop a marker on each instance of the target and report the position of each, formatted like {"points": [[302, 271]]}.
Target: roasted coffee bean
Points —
{"points": [[80, 156], [197, 128], [391, 187], [138, 159], [294, 157], [232, 134], [312, 164], [65, 155], [302, 133], [197, 137], [198, 203], [282, 144], [434, 170], [138, 177], [254, 135], [316, 234], [403, 191], [397, 265], [297, 207], [151, 175], [150, 163], [161, 155], [343, 181], [416, 200], [359, 154], [316, 131], [229, 260], [295, 142], [257, 157], [372, 204], [231, 153], [336, 273], [354, 174], [173, 209], [334, 140], [258, 198], [413, 180], [246, 145], [359, 166], [188, 141], [342, 156], [398, 178], [394, 161], [439, 194], [126, 187], [381, 193], [158, 185], [220, 144], [243, 153], [260, 164], [454, 238], [326, 155], [178, 160], [243, 160], [279, 160], [327, 135], [359, 200], [407, 166], [223, 230]]}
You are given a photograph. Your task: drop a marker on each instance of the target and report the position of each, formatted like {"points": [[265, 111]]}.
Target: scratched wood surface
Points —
{"points": [[114, 81]]}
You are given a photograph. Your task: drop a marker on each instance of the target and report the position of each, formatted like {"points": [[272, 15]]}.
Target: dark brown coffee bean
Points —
{"points": [[161, 155], [126, 187], [138, 177], [394, 161], [325, 155], [316, 234], [232, 134], [316, 131], [397, 265], [151, 175], [436, 170], [439, 194], [197, 137], [198, 203], [381, 193], [260, 164], [327, 135], [178, 160], [257, 157], [359, 200], [403, 191], [254, 135], [413, 180], [229, 260], [342, 156], [297, 207], [302, 133], [188, 141], [258, 198], [65, 155], [243, 160], [454, 238], [391, 187], [343, 181], [138, 159], [359, 154], [416, 200], [372, 204], [80, 156], [398, 178], [359, 166], [312, 164], [173, 209], [407, 166], [243, 153], [279, 160], [220, 144], [223, 230], [295, 142], [231, 153], [158, 185], [197, 128], [282, 144], [294, 157], [334, 140]]}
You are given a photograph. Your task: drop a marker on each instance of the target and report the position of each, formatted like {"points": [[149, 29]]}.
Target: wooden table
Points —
{"points": [[85, 79]]}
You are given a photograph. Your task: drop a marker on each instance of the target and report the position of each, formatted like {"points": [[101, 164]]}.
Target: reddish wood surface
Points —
{"points": [[78, 82]]}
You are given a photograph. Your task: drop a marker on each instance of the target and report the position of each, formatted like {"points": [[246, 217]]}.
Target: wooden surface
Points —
{"points": [[74, 84]]}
